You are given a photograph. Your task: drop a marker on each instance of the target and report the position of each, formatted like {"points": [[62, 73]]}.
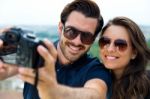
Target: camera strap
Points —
{"points": [[1, 58], [36, 77]]}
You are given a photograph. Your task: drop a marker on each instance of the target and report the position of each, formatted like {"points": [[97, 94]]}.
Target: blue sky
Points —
{"points": [[13, 12]]}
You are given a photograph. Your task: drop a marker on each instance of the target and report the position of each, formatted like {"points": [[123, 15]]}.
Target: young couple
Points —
{"points": [[70, 73]]}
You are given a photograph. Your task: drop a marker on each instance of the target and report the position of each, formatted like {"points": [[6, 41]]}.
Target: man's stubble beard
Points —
{"points": [[71, 58]]}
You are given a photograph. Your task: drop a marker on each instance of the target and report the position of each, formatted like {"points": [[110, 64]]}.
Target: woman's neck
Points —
{"points": [[118, 73]]}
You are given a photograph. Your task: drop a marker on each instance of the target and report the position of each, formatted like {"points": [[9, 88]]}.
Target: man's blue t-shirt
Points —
{"points": [[74, 75]]}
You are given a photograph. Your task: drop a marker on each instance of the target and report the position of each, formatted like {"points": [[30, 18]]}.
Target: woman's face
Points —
{"points": [[115, 48]]}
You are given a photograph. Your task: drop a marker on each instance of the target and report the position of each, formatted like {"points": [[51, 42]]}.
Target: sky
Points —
{"points": [[47, 12]]}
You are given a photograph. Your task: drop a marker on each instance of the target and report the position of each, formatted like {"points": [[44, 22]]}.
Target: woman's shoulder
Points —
{"points": [[148, 73], [148, 94]]}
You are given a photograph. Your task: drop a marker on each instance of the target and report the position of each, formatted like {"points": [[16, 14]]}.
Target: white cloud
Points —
{"points": [[48, 11], [137, 10], [30, 11]]}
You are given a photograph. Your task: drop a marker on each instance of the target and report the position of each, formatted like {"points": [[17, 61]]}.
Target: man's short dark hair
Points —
{"points": [[86, 7]]}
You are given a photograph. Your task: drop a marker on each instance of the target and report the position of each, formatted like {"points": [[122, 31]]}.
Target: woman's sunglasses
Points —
{"points": [[85, 37], [120, 44]]}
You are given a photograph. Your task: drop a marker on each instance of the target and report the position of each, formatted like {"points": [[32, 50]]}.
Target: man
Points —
{"points": [[69, 72]]}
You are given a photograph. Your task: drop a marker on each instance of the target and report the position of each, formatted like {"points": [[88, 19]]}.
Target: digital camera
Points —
{"points": [[23, 44]]}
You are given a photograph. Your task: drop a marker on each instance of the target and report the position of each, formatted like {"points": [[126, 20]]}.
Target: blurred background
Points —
{"points": [[42, 17]]}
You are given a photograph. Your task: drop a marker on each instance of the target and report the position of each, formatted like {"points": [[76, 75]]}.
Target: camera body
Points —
{"points": [[24, 45]]}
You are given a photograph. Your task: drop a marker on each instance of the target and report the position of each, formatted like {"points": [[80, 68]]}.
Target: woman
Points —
{"points": [[123, 50]]}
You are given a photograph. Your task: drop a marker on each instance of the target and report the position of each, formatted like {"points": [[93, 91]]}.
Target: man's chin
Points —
{"points": [[73, 58]]}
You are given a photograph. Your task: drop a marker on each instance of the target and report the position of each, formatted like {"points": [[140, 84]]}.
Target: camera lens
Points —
{"points": [[12, 37]]}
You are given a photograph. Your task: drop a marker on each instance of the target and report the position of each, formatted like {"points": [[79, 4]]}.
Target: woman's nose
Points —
{"points": [[111, 47]]}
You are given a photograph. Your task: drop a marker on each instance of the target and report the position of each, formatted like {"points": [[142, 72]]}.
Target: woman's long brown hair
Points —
{"points": [[134, 82]]}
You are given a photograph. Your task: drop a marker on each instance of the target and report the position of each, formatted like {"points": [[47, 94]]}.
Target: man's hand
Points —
{"points": [[49, 88], [6, 70], [47, 76]]}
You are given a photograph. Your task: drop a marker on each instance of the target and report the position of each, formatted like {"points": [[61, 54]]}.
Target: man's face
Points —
{"points": [[73, 48]]}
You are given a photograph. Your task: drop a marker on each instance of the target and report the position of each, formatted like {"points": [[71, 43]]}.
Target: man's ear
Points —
{"points": [[60, 28]]}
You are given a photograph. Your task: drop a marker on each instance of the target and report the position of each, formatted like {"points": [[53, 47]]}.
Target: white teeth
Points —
{"points": [[74, 48], [110, 57]]}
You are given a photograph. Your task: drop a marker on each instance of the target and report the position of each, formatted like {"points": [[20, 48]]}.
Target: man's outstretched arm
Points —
{"points": [[48, 88]]}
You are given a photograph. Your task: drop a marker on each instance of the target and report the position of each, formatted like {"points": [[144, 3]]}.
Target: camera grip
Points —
{"points": [[38, 61]]}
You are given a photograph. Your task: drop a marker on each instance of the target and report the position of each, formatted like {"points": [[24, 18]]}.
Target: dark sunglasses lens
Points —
{"points": [[121, 44], [70, 33], [103, 42], [87, 38]]}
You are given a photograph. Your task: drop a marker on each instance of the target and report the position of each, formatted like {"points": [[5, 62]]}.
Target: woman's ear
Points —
{"points": [[134, 54], [60, 28]]}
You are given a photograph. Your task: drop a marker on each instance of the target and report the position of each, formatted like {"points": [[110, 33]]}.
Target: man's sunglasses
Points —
{"points": [[85, 37], [120, 44]]}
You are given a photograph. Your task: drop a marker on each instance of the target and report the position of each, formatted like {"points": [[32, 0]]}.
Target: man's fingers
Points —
{"points": [[51, 48], [29, 75], [49, 60], [1, 43], [44, 53], [1, 64], [27, 79], [27, 72], [6, 29]]}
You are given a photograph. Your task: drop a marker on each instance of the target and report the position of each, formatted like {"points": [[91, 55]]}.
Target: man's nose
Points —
{"points": [[77, 40]]}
